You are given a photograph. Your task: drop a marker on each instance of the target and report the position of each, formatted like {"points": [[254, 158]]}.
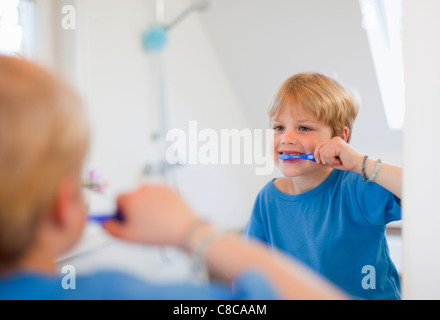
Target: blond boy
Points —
{"points": [[330, 213]]}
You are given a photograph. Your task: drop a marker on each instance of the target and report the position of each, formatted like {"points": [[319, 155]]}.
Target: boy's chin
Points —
{"points": [[292, 172]]}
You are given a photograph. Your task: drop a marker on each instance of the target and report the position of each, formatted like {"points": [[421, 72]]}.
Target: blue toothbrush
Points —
{"points": [[310, 157], [102, 218]]}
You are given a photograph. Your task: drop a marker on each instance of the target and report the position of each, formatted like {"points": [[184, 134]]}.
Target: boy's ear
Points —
{"points": [[62, 202], [345, 134]]}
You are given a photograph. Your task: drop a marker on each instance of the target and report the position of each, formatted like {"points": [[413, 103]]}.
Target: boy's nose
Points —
{"points": [[289, 137]]}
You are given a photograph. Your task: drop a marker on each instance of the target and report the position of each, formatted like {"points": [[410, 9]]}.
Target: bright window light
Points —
{"points": [[17, 27], [382, 20], [10, 29]]}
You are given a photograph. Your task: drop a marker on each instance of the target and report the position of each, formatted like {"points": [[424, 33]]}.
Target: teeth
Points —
{"points": [[292, 153]]}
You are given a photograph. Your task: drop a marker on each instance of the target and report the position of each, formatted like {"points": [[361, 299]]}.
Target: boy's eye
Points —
{"points": [[302, 128], [278, 128]]}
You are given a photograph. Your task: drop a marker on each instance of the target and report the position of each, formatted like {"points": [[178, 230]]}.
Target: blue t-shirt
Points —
{"points": [[337, 229], [108, 285]]}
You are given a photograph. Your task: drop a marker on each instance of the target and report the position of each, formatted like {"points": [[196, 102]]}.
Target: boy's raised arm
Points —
{"points": [[338, 154], [158, 215]]}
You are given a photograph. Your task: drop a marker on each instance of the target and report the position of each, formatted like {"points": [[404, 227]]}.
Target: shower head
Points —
{"points": [[197, 5], [156, 37]]}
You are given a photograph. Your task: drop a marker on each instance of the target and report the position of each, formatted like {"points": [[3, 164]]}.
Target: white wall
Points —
{"points": [[199, 89], [422, 133]]}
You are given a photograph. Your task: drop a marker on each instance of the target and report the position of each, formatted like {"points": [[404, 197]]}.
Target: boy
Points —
{"points": [[331, 214], [43, 141]]}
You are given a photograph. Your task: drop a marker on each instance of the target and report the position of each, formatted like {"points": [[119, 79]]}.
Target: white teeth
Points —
{"points": [[293, 153]]}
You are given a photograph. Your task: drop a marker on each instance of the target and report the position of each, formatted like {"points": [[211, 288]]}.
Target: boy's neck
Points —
{"points": [[34, 263], [39, 261], [304, 183]]}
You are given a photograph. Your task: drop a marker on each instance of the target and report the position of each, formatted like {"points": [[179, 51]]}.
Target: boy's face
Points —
{"points": [[297, 131]]}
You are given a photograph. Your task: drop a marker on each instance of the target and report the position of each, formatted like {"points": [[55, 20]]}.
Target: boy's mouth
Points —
{"points": [[290, 152]]}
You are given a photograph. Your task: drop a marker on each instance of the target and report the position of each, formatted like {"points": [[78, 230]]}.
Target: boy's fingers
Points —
{"points": [[317, 153], [328, 153], [335, 162], [323, 155], [114, 228]]}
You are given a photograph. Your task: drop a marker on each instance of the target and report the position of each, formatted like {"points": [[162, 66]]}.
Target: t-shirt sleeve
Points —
{"points": [[251, 285], [377, 205], [255, 228], [113, 285]]}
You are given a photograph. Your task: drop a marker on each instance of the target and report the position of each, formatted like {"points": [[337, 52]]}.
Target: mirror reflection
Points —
{"points": [[169, 85]]}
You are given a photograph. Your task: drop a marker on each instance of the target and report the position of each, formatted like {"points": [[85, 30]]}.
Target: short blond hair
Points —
{"points": [[43, 137], [320, 95]]}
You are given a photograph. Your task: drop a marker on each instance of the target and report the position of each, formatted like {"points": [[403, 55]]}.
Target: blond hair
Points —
{"points": [[43, 138], [322, 96]]}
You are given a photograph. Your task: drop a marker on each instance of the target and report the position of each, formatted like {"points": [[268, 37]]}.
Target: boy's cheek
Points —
{"points": [[275, 157]]}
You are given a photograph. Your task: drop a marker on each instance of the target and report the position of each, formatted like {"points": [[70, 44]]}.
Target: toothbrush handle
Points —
{"points": [[104, 218], [310, 157]]}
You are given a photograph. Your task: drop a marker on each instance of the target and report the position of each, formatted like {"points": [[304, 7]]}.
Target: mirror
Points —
{"points": [[218, 70]]}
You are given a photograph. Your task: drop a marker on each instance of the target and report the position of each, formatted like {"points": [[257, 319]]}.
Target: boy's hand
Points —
{"points": [[338, 154], [153, 215]]}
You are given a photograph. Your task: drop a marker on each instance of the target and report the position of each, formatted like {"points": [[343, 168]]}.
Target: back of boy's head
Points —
{"points": [[43, 138], [322, 96]]}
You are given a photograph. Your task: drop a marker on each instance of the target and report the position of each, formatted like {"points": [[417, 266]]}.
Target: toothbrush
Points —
{"points": [[102, 218], [310, 157]]}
